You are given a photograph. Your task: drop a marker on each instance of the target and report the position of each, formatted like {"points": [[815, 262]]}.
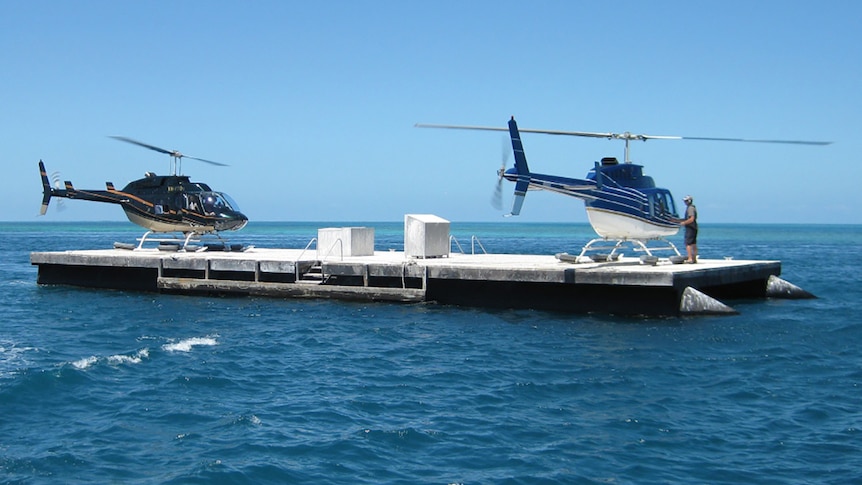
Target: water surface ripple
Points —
{"points": [[122, 387]]}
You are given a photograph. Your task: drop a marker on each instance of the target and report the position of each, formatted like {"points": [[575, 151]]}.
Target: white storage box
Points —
{"points": [[335, 242], [425, 236]]}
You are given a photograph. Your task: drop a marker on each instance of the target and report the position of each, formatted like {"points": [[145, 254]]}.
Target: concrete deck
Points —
{"points": [[489, 280]]}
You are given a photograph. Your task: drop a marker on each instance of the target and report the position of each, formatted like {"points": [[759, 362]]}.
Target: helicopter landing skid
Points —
{"points": [[185, 241], [168, 239], [603, 249]]}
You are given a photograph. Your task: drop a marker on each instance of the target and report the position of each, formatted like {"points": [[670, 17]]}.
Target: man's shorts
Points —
{"points": [[690, 236]]}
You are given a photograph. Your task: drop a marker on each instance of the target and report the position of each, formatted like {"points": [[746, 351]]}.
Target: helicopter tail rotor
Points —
{"points": [[497, 197], [56, 180]]}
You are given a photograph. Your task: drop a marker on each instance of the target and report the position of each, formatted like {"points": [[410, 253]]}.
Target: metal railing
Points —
{"points": [[473, 242], [313, 241]]}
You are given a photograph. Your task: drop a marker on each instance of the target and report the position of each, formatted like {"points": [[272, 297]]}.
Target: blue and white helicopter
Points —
{"points": [[623, 205]]}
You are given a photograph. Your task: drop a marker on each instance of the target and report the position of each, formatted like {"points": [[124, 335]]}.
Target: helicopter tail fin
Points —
{"points": [[46, 189], [523, 182]]}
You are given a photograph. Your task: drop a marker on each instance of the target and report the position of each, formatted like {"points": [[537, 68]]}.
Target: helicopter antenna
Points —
{"points": [[176, 156]]}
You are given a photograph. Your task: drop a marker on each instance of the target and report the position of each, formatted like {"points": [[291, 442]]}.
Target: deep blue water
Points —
{"points": [[122, 387]]}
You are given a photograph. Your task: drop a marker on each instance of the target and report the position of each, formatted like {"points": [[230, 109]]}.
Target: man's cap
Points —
{"points": [[687, 198]]}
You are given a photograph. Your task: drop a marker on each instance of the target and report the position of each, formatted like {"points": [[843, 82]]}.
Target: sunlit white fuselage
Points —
{"points": [[617, 225]]}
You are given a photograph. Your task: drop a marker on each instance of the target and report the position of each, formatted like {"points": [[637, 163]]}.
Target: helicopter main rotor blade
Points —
{"points": [[523, 130], [620, 136], [792, 142], [142, 144], [460, 127], [173, 153], [206, 161]]}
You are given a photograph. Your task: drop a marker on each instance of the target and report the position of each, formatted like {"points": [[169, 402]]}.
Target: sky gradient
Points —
{"points": [[313, 104]]}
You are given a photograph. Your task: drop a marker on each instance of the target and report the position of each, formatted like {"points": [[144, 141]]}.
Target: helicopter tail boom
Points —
{"points": [[68, 191]]}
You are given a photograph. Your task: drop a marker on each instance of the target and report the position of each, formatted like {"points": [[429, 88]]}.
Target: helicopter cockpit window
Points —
{"points": [[662, 204], [214, 202]]}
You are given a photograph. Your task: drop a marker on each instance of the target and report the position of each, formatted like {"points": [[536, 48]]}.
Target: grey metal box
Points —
{"points": [[425, 236], [335, 242]]}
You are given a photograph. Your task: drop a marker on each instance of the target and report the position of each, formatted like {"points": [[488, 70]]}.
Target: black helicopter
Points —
{"points": [[161, 203]]}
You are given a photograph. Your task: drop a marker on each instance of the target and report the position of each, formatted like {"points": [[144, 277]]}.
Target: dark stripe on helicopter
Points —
{"points": [[98, 195], [633, 202], [144, 211]]}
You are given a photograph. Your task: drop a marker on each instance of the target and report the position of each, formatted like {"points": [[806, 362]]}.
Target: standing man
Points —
{"points": [[690, 223]]}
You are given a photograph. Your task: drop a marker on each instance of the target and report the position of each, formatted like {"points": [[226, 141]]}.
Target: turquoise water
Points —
{"points": [[124, 387]]}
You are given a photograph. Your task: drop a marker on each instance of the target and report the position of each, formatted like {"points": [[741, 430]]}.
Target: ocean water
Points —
{"points": [[121, 387]]}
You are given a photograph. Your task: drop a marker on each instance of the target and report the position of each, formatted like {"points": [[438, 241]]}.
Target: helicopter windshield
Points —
{"points": [[661, 204], [217, 202]]}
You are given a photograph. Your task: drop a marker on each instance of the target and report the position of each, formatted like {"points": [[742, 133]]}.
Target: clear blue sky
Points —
{"points": [[313, 103]]}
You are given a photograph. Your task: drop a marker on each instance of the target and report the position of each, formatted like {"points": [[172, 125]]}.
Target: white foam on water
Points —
{"points": [[13, 357], [186, 345], [85, 362], [135, 358]]}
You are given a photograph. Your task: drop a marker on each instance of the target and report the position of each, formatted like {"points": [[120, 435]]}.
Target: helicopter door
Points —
{"points": [[192, 203], [655, 205]]}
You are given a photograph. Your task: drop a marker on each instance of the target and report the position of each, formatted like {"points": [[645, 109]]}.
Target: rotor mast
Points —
{"points": [[627, 138]]}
